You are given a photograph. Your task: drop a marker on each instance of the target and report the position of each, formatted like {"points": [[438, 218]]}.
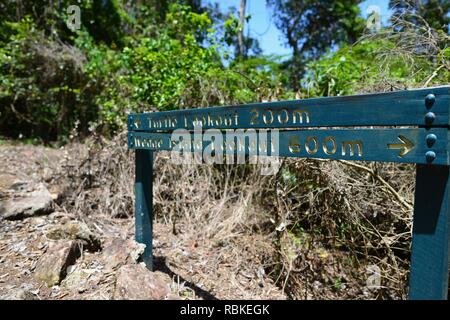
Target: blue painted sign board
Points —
{"points": [[402, 108], [410, 126], [388, 145]]}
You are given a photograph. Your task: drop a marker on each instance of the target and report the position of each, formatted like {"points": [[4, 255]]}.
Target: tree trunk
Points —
{"points": [[295, 66], [241, 52]]}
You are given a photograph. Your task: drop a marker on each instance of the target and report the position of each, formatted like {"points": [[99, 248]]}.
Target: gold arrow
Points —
{"points": [[137, 123], [406, 145]]}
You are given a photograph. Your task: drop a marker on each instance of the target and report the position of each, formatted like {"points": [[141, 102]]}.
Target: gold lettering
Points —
{"points": [[284, 119], [325, 147], [316, 145], [219, 120], [210, 121], [228, 120], [148, 143], [300, 114], [265, 116], [294, 145], [164, 122], [352, 145]]}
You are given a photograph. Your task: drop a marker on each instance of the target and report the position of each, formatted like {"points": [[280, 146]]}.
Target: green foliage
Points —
{"points": [[161, 68], [231, 28], [43, 88], [341, 72], [92, 78], [355, 68], [168, 54], [313, 27], [105, 20], [435, 12], [167, 73], [182, 22], [174, 70], [338, 285], [227, 31]]}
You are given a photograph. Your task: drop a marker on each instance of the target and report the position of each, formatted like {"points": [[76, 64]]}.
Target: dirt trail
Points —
{"points": [[25, 241]]}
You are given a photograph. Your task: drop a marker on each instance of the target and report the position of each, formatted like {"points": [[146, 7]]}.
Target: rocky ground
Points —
{"points": [[50, 252]]}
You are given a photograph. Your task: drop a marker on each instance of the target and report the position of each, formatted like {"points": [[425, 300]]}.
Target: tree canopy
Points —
{"points": [[312, 27], [140, 55]]}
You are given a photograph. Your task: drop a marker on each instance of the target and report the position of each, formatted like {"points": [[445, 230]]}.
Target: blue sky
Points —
{"points": [[262, 26]]}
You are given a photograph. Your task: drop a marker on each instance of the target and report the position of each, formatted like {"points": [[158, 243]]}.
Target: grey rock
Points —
{"points": [[76, 230], [20, 294], [26, 204], [136, 251], [120, 252], [9, 182], [52, 266], [78, 280], [136, 282]]}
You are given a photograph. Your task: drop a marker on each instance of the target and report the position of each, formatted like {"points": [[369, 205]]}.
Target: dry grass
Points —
{"points": [[415, 42], [314, 228]]}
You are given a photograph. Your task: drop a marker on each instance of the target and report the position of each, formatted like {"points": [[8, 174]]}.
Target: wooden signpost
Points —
{"points": [[410, 126]]}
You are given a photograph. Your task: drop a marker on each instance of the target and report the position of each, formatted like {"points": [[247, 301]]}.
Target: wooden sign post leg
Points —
{"points": [[144, 202], [430, 243]]}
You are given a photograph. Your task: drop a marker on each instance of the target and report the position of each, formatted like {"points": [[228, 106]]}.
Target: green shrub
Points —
{"points": [[177, 70], [371, 63], [43, 88]]}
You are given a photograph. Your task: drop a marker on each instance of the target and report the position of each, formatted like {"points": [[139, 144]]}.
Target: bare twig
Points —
{"points": [[399, 198]]}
